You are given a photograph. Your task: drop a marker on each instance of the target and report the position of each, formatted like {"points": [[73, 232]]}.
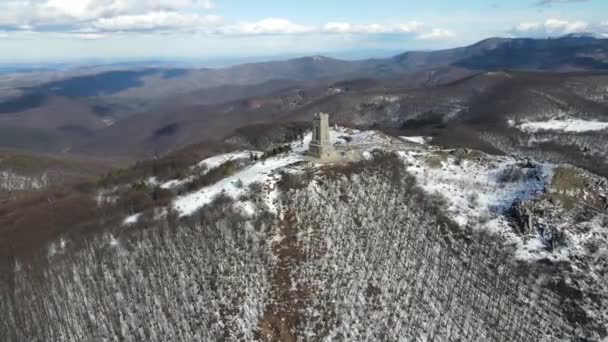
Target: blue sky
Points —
{"points": [[39, 30]]}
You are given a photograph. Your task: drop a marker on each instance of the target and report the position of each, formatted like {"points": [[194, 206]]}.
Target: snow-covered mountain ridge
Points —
{"points": [[394, 241], [477, 186]]}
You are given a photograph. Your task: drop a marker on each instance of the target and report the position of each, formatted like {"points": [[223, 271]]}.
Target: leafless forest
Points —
{"points": [[358, 253]]}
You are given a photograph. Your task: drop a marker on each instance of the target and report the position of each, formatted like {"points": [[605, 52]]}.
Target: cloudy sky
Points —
{"points": [[38, 30]]}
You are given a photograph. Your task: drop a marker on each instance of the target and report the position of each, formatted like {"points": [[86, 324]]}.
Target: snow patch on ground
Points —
{"points": [[417, 140], [530, 249], [133, 219], [152, 181], [174, 183], [569, 126], [389, 99], [57, 247], [106, 197], [262, 171], [213, 162], [209, 164], [113, 241], [356, 139], [10, 181], [246, 208], [302, 145], [108, 122], [475, 194]]}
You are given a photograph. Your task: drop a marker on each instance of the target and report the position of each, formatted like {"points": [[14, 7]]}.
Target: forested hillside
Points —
{"points": [[383, 245]]}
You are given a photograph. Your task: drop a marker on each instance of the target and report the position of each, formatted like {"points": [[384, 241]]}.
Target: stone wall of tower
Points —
{"points": [[321, 127], [320, 146]]}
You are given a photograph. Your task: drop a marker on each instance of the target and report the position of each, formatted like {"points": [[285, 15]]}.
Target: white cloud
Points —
{"points": [[529, 26], [565, 27], [267, 26], [343, 27], [551, 27], [28, 37], [436, 34], [86, 36], [604, 29], [552, 2], [275, 26], [95, 19], [413, 28], [76, 35], [156, 21], [37, 13], [87, 9]]}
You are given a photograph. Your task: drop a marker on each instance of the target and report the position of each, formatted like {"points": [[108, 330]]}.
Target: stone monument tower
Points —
{"points": [[320, 146]]}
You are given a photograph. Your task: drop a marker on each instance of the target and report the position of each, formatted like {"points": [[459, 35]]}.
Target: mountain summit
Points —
{"points": [[268, 246]]}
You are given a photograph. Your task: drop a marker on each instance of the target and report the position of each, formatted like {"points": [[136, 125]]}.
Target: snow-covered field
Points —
{"points": [[208, 164], [568, 126], [353, 139], [265, 171], [475, 194], [218, 160], [10, 181], [417, 140], [235, 185], [473, 190]]}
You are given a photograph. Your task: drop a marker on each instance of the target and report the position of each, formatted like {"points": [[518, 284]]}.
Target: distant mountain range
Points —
{"points": [[140, 111]]}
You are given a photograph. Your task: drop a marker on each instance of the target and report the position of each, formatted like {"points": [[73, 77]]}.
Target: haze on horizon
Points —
{"points": [[46, 30]]}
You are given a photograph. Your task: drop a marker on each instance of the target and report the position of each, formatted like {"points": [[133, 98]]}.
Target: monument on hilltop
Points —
{"points": [[321, 146]]}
